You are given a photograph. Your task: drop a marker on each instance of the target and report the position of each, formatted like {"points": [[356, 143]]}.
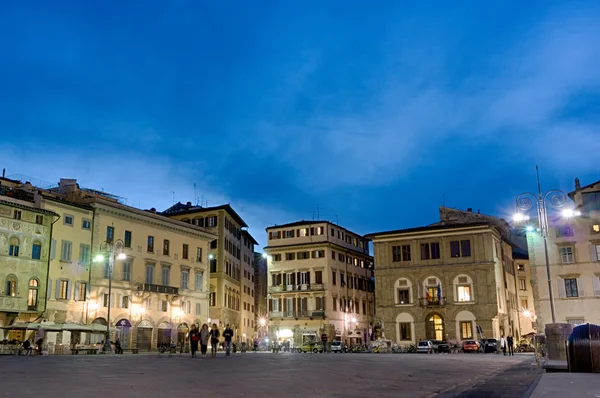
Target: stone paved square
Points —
{"points": [[265, 374]]}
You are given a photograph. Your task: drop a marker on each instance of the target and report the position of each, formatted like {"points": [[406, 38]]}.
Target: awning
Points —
{"points": [[32, 326]]}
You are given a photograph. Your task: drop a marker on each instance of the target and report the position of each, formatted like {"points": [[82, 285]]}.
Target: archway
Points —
{"points": [[124, 332], [434, 327], [182, 333], [144, 336], [405, 328], [96, 338], [164, 334]]}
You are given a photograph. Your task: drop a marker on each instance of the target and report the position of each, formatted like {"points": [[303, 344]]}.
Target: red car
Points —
{"points": [[470, 346]]}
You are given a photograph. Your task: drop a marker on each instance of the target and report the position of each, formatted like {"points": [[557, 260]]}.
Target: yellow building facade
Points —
{"points": [[319, 282], [445, 282]]}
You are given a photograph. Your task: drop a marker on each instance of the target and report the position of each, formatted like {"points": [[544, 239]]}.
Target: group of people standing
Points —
{"points": [[200, 336], [507, 344]]}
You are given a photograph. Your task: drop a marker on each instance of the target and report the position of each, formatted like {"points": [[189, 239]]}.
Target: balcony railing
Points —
{"points": [[16, 193], [297, 288], [424, 302], [297, 314], [147, 287]]}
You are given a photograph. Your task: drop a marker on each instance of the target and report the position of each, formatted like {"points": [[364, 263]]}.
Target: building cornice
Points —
{"points": [[311, 245], [428, 232]]}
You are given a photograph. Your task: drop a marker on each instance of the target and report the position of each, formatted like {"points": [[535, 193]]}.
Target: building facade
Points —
{"points": [[445, 282], [248, 293], [260, 296], [25, 236], [319, 282], [227, 267], [161, 287], [574, 260]]}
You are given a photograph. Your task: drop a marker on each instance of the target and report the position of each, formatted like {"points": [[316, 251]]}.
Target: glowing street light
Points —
{"points": [[262, 322], [265, 255], [527, 314], [520, 217], [570, 213]]}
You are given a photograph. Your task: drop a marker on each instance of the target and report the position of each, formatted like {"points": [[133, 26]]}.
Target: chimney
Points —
{"points": [[153, 210], [470, 210], [3, 173], [577, 184], [189, 204]]}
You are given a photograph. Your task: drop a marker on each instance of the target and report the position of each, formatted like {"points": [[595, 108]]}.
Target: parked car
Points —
{"points": [[489, 345], [425, 347], [310, 347], [470, 346], [440, 346], [338, 346]]}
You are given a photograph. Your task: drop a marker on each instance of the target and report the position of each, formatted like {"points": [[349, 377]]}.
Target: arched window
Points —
{"points": [[32, 297], [463, 289], [403, 292], [13, 249], [11, 286], [433, 291], [36, 250], [404, 328], [434, 327]]}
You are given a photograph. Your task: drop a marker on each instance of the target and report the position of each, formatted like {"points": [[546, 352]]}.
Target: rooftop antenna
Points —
{"points": [[173, 197]]}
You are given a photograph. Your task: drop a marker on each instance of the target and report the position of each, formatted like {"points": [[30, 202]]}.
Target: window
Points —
{"points": [[566, 255], [199, 254], [86, 224], [521, 267], [276, 257], [522, 284], [166, 244], [303, 255], [63, 289], [213, 265], [289, 234], [320, 303], [66, 249], [405, 252], [465, 248], [13, 248], [11, 286], [110, 233], [84, 254], [36, 250], [39, 219], [454, 248], [576, 321], [333, 277], [404, 328], [127, 270], [149, 274], [212, 221], [435, 250], [212, 299], [185, 251], [464, 293], [303, 232], [595, 250], [318, 253], [466, 330], [524, 304], [396, 253], [198, 308], [563, 232], [214, 244], [127, 240], [17, 214], [32, 297], [165, 274], [151, 244], [290, 256], [341, 257], [163, 305], [425, 252], [199, 281], [319, 277], [596, 228], [81, 291], [404, 296], [125, 302], [185, 279], [68, 220], [571, 287]]}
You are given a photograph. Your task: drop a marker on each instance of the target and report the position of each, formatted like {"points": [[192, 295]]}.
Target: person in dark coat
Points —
{"points": [[194, 340], [510, 342]]}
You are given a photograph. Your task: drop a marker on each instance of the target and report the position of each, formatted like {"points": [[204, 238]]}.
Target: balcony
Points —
{"points": [[314, 287], [147, 287], [16, 193], [432, 303], [297, 314]]}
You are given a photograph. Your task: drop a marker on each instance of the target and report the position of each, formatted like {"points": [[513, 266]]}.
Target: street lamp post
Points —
{"points": [[555, 198], [108, 251]]}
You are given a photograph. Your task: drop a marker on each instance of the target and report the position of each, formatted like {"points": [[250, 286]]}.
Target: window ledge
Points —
{"points": [[464, 302], [404, 305]]}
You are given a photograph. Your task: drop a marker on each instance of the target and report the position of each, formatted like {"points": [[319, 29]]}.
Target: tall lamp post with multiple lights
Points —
{"points": [[109, 250], [554, 198]]}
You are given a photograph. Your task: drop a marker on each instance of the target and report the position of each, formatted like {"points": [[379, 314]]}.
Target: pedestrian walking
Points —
{"points": [[503, 345], [510, 342], [228, 336], [194, 340], [204, 336], [214, 340]]}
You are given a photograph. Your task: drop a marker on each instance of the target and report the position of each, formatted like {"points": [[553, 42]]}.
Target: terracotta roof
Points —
{"points": [[181, 209]]}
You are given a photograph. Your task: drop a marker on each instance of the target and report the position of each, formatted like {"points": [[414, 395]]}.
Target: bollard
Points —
{"points": [[583, 349]]}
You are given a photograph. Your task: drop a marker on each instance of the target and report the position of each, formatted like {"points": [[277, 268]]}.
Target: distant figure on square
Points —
{"points": [[194, 340], [228, 335], [214, 340], [510, 342], [503, 345], [204, 336]]}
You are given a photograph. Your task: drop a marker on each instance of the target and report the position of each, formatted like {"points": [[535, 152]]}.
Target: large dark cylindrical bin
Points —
{"points": [[583, 349]]}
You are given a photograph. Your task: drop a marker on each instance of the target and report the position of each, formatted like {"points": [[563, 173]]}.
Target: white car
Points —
{"points": [[338, 346], [425, 347]]}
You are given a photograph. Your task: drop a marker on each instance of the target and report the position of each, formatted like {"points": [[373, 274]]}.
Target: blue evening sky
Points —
{"points": [[374, 112]]}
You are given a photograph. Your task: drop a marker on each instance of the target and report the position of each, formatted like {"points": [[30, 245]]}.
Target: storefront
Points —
{"points": [[124, 333], [144, 336]]}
